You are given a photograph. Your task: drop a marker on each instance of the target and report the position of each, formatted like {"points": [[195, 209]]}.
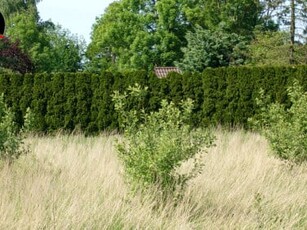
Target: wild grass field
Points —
{"points": [[76, 182]]}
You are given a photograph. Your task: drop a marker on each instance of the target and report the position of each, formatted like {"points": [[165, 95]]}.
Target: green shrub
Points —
{"points": [[10, 141], [29, 125], [285, 129], [156, 144]]}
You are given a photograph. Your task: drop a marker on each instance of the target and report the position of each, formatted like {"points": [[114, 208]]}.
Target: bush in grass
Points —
{"points": [[285, 129], [156, 144], [10, 141], [29, 122]]}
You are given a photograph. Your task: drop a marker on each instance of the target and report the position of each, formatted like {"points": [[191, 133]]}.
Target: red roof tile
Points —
{"points": [[164, 71]]}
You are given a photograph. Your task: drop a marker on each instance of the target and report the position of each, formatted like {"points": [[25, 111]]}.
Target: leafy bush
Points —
{"points": [[285, 129], [156, 144], [10, 141], [13, 58], [29, 122]]}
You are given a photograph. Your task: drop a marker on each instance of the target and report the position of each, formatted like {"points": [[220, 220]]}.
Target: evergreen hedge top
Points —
{"points": [[83, 100]]}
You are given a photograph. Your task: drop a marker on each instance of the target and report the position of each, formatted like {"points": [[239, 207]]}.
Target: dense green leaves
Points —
{"points": [[236, 16], [156, 144], [285, 129], [13, 7], [51, 48], [212, 49], [10, 140], [143, 34], [273, 48], [221, 96]]}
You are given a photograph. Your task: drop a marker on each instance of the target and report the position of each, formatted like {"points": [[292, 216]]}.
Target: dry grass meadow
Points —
{"points": [[73, 182]]}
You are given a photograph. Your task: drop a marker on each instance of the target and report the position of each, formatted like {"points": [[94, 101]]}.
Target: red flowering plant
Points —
{"points": [[12, 57]]}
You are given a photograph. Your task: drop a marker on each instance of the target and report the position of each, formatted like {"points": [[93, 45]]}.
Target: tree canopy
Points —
{"points": [[12, 58], [141, 34], [138, 34], [212, 49], [51, 48], [12, 7]]}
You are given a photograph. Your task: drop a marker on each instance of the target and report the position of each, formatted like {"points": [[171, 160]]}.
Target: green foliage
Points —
{"points": [[212, 49], [138, 35], [269, 48], [13, 58], [106, 118], [63, 51], [134, 34], [272, 49], [9, 8], [221, 96], [29, 122], [285, 128], [55, 106], [23, 27], [236, 16], [83, 100], [51, 48], [10, 141], [70, 101], [156, 144]]}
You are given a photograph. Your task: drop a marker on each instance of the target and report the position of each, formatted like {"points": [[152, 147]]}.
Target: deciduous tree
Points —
{"points": [[12, 57], [140, 34], [51, 48]]}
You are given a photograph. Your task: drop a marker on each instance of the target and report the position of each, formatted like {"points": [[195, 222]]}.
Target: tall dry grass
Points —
{"points": [[73, 182]]}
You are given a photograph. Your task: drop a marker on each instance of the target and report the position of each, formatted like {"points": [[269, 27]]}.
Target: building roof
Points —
{"points": [[164, 71]]}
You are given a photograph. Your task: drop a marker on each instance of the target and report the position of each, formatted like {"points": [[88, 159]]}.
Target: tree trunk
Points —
{"points": [[292, 32]]}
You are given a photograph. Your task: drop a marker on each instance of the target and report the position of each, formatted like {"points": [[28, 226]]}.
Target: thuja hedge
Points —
{"points": [[70, 101], [229, 93]]}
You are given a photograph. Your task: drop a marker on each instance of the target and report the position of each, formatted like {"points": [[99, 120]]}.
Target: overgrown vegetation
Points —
{"points": [[156, 144], [285, 128], [10, 141], [73, 182]]}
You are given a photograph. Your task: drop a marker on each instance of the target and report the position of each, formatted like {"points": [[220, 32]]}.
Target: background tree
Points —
{"points": [[138, 34], [273, 48], [212, 49], [11, 7], [65, 50], [236, 16], [298, 24], [12, 57], [134, 34], [51, 48], [291, 17], [269, 48], [112, 35]]}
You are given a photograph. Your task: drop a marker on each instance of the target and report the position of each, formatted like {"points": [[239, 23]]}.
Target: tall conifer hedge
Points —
{"points": [[69, 100]]}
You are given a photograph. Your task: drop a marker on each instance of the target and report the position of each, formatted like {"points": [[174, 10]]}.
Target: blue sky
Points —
{"points": [[75, 15]]}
